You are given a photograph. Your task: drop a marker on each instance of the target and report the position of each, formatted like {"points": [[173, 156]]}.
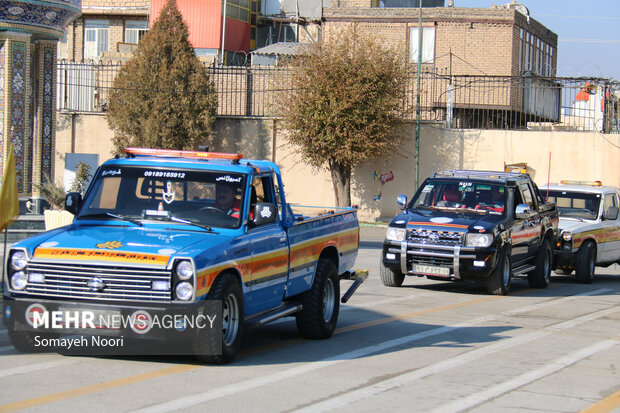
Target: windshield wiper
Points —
{"points": [[185, 221], [108, 214]]}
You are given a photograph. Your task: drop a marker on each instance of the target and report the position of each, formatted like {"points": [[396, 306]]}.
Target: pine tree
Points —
{"points": [[163, 97]]}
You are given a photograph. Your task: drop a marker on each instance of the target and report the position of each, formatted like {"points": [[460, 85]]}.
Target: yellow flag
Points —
{"points": [[9, 204]]}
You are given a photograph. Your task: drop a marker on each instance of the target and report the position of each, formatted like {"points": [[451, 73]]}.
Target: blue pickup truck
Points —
{"points": [[159, 230]]}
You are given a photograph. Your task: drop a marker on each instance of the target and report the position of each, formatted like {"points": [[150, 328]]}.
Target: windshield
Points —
{"points": [[204, 198], [576, 204], [462, 196]]}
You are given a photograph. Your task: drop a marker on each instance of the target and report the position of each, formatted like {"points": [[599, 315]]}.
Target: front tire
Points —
{"points": [[499, 283], [540, 277], [586, 261], [319, 315], [227, 289], [389, 277]]}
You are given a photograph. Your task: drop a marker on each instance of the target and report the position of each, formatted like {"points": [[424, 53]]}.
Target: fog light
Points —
{"points": [[19, 280], [184, 291], [390, 256], [161, 285], [36, 277], [478, 263]]}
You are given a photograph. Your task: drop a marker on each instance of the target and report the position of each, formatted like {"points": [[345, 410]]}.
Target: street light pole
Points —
{"points": [[417, 123]]}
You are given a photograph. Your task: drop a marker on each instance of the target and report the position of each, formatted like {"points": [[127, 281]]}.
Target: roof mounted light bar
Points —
{"points": [[477, 174], [590, 183], [235, 157]]}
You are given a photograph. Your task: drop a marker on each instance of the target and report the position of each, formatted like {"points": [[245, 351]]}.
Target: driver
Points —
{"points": [[226, 199]]}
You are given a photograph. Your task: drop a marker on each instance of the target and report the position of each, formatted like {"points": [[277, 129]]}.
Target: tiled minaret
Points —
{"points": [[29, 33]]}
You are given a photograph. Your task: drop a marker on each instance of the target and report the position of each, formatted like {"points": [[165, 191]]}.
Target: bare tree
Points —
{"points": [[346, 105]]}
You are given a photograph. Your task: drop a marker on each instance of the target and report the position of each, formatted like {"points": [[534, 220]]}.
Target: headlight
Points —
{"points": [[479, 240], [19, 260], [567, 235], [19, 280], [184, 291], [185, 270], [395, 234]]}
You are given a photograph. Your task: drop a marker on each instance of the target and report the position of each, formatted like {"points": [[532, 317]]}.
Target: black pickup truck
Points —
{"points": [[472, 226]]}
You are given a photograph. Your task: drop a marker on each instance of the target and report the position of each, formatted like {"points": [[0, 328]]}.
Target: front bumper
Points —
{"points": [[566, 260], [447, 262]]}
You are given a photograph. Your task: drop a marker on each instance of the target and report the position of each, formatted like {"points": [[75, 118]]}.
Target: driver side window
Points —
{"points": [[261, 191]]}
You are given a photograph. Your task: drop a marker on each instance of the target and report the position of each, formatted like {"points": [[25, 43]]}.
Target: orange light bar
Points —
{"points": [[183, 154], [591, 183]]}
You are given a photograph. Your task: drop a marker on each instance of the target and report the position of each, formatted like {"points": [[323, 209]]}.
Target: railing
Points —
{"points": [[463, 101]]}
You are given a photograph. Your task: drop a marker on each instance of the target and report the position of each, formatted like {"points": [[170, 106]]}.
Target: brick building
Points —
{"points": [[106, 29], [499, 41]]}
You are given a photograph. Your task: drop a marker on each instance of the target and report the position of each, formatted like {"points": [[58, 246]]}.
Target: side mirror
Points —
{"points": [[402, 201], [264, 213], [73, 202], [522, 211], [611, 213]]}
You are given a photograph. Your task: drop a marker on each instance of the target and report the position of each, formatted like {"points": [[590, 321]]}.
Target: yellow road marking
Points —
{"points": [[608, 404], [38, 401]]}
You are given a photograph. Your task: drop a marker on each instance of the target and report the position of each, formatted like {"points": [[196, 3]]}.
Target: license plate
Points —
{"points": [[86, 318], [431, 270]]}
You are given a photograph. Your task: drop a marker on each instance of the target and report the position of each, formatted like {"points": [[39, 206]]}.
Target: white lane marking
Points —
{"points": [[349, 307], [35, 367], [412, 376], [526, 378], [216, 393]]}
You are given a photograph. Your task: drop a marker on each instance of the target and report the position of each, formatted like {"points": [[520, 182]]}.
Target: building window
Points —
{"points": [[134, 30], [521, 52], [237, 9], [428, 44], [96, 34]]}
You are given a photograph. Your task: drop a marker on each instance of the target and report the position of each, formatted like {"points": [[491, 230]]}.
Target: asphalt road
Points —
{"points": [[427, 346]]}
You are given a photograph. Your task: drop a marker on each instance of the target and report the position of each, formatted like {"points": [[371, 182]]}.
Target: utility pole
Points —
{"points": [[223, 33], [417, 122]]}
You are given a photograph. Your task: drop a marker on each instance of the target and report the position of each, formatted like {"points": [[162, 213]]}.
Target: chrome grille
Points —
{"points": [[436, 261], [121, 283], [435, 237]]}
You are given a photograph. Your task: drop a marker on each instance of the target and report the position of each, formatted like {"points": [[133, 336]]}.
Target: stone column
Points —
{"points": [[44, 133]]}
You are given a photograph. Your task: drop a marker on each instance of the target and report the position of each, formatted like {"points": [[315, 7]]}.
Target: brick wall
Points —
{"points": [[116, 3]]}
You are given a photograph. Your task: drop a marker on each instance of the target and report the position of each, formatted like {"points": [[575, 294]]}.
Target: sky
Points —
{"points": [[588, 33]]}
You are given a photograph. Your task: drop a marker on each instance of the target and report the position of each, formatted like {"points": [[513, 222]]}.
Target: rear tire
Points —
{"points": [[389, 277], [319, 315], [586, 262], [540, 277], [227, 289], [499, 283]]}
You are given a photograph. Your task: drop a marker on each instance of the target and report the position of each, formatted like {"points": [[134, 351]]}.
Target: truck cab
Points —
{"points": [[163, 231], [472, 226]]}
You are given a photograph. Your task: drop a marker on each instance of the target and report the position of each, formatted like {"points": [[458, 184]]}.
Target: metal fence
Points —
{"points": [[463, 101]]}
